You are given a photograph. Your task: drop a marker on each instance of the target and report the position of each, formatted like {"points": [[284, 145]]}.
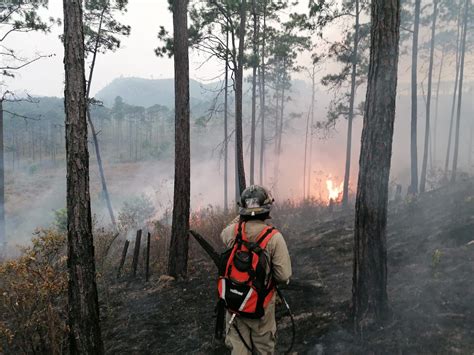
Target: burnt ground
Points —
{"points": [[430, 285]]}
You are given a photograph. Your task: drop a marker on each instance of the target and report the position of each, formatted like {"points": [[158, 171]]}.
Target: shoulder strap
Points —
{"points": [[262, 239], [239, 232], [266, 235]]}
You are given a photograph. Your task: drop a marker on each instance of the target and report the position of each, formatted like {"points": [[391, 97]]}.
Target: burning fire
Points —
{"points": [[334, 191]]}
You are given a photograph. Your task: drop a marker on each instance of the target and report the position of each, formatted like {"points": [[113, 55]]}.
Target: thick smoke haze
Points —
{"points": [[37, 196]]}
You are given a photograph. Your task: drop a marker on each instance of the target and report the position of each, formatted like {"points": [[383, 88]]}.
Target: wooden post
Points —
{"points": [[136, 253], [122, 260], [147, 260]]}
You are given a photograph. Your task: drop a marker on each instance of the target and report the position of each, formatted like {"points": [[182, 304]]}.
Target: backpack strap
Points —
{"points": [[262, 240]]}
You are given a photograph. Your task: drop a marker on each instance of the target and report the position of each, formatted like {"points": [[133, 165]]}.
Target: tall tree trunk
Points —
{"points": [[428, 99], [105, 191], [469, 152], [414, 102], [254, 92], [435, 128], [305, 155], [369, 289], [226, 128], [350, 118], [3, 237], [178, 256], [277, 120], [238, 100], [461, 81], [282, 111], [83, 308], [455, 92], [263, 94], [313, 100]]}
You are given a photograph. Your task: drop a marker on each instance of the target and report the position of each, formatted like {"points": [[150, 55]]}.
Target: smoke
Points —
{"points": [[31, 197]]}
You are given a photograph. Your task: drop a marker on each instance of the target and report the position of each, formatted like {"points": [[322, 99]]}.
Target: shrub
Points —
{"points": [[135, 213], [60, 220], [33, 296]]}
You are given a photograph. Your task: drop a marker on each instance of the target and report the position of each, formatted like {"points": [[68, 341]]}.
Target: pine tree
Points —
{"points": [[84, 328], [369, 289], [178, 255]]}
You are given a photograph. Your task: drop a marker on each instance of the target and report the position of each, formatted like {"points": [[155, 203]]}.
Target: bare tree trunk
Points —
{"points": [[313, 99], [3, 237], [178, 256], [469, 152], [413, 189], [277, 120], [305, 155], [350, 118], [238, 101], [428, 99], [435, 128], [263, 94], [83, 308], [226, 129], [254, 93], [282, 111], [105, 190], [461, 80], [453, 106], [369, 290], [95, 139]]}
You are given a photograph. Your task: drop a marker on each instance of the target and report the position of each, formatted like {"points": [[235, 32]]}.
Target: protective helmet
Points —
{"points": [[255, 200]]}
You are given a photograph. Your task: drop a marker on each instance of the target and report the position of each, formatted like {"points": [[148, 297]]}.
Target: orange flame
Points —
{"points": [[334, 191]]}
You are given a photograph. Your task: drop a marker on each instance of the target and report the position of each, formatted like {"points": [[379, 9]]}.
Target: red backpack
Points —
{"points": [[244, 286]]}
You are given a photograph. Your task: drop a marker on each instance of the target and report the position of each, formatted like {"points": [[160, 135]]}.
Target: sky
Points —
{"points": [[135, 57]]}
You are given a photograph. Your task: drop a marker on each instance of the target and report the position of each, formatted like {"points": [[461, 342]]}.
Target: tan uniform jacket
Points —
{"points": [[260, 332]]}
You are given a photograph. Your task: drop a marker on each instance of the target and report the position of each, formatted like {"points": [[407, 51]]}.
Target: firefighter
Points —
{"points": [[246, 335]]}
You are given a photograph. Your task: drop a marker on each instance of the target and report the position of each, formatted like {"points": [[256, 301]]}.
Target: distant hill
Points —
{"points": [[148, 92]]}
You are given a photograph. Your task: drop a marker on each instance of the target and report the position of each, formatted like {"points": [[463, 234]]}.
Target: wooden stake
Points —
{"points": [[147, 260], [122, 259], [136, 253]]}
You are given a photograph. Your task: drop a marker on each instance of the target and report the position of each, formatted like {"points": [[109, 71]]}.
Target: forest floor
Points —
{"points": [[430, 284]]}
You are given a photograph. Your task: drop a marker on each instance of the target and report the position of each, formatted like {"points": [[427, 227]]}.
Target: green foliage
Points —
{"points": [[135, 213], [101, 14], [343, 52], [60, 220]]}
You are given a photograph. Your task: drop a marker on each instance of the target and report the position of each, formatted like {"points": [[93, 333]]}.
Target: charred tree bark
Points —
{"points": [[461, 81], [350, 118], [254, 92], [3, 237], [178, 255], [238, 101], [369, 289], [83, 307], [428, 99], [413, 189]]}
